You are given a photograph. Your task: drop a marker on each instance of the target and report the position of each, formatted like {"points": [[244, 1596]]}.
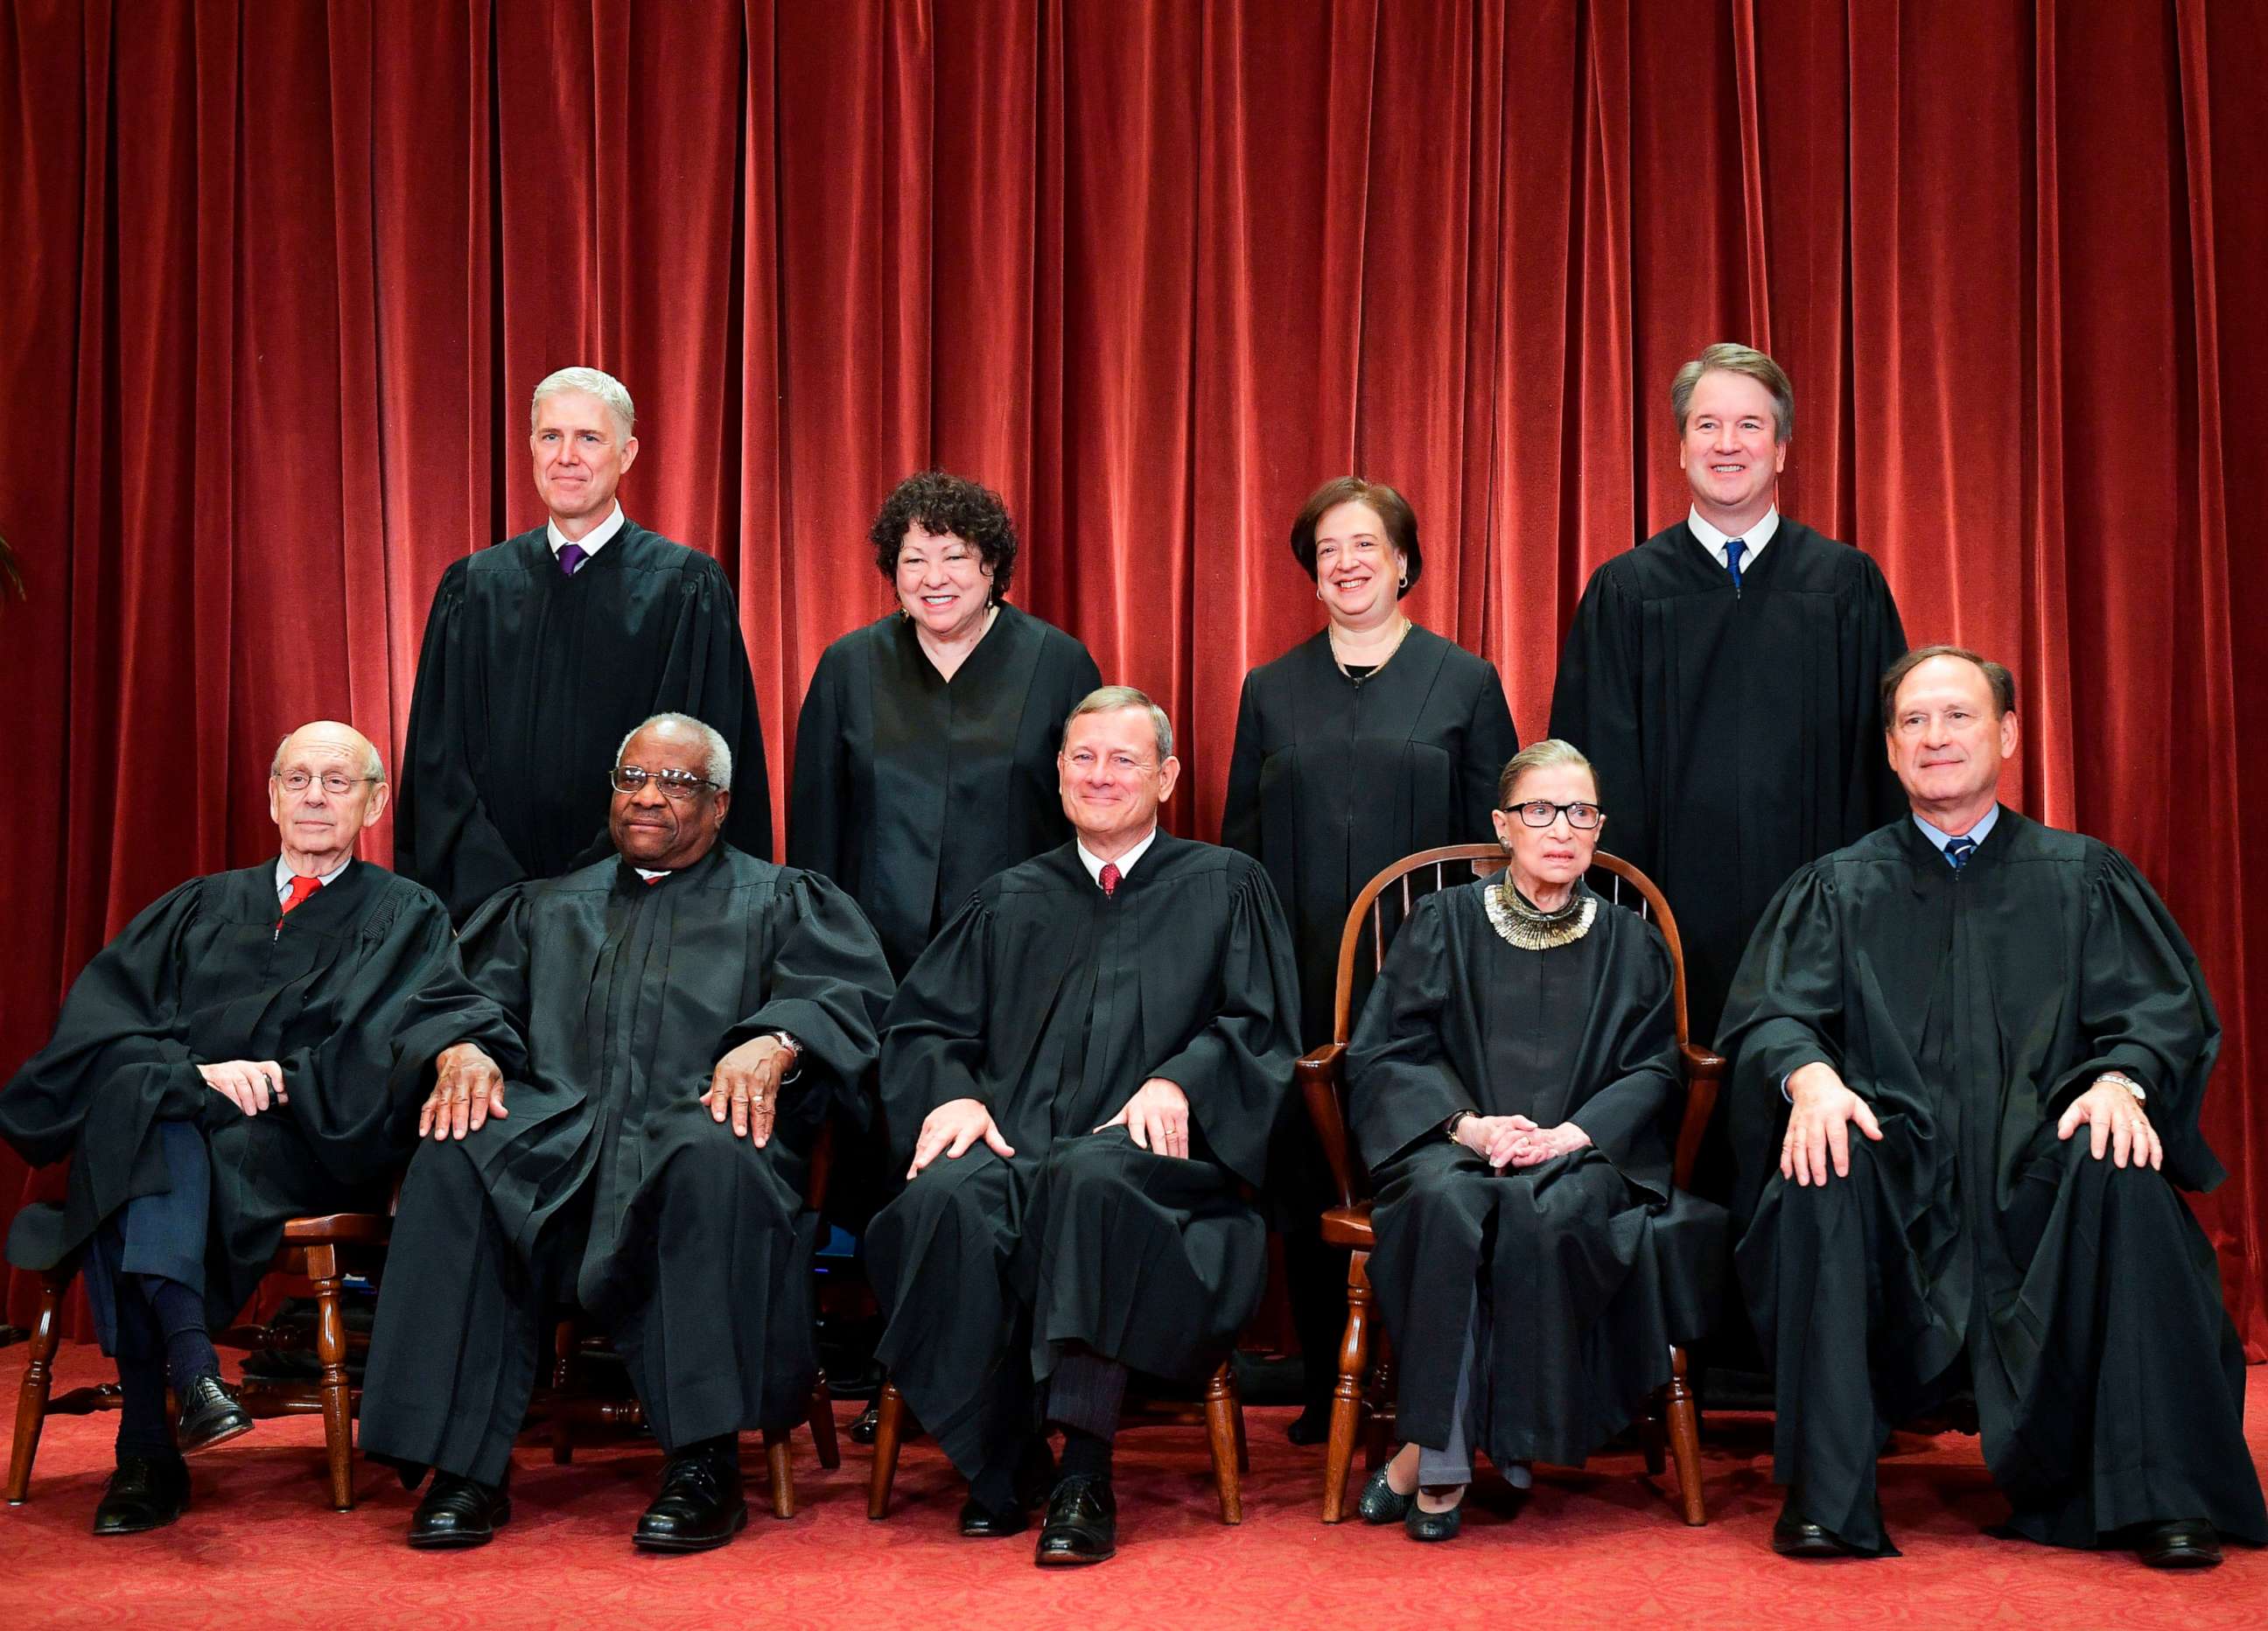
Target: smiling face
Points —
{"points": [[1110, 778], [1357, 569], [1549, 859], [1947, 744], [660, 832], [317, 825], [943, 582], [1732, 453], [581, 457]]}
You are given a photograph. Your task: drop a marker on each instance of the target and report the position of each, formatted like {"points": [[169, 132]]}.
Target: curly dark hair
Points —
{"points": [[1393, 509], [941, 503]]}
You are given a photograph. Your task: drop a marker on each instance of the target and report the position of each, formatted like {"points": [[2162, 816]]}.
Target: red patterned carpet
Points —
{"points": [[259, 1549]]}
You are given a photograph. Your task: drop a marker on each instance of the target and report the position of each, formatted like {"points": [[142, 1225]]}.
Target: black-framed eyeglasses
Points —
{"points": [[682, 786], [338, 784], [1542, 813]]}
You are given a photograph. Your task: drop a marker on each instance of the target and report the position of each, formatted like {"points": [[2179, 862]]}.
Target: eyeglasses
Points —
{"points": [[683, 786], [337, 783], [1542, 813]]}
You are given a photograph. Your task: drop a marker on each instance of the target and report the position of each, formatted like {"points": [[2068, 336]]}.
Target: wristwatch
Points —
{"points": [[1456, 1119], [788, 1042], [2120, 1078]]}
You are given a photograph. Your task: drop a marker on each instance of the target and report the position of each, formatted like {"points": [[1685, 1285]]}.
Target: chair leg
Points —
{"points": [[1221, 1411], [1347, 1394], [566, 1338], [1684, 1418], [331, 1350], [31, 1394], [1243, 1449], [823, 1424], [890, 1423], [779, 1454], [1379, 1429]]}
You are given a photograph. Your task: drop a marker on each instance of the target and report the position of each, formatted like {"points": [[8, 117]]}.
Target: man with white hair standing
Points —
{"points": [[669, 1025], [224, 1064], [542, 652]]}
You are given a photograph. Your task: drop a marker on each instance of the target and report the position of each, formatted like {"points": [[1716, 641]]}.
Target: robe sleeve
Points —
{"points": [[1624, 1117], [934, 1040], [2144, 1009], [1239, 812], [1876, 638], [1785, 1011], [1490, 741], [830, 983], [1401, 1083], [479, 994], [720, 691], [1237, 1069], [1594, 705], [819, 793], [443, 837]]}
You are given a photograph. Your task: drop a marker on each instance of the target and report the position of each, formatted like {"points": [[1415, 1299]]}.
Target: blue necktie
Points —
{"points": [[1734, 548], [1958, 851], [570, 556]]}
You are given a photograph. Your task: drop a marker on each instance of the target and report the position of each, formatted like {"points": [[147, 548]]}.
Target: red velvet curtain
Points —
{"points": [[280, 278]]}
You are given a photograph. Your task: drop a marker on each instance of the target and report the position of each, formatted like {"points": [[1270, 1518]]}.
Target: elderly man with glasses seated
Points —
{"points": [[221, 1066], [640, 1056]]}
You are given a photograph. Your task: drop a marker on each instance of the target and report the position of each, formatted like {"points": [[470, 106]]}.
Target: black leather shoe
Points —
{"points": [[1313, 1424], [1798, 1536], [1378, 1504], [209, 1415], [862, 1425], [457, 1512], [701, 1505], [2184, 1543], [147, 1492], [1419, 1525], [980, 1521], [1082, 1523]]}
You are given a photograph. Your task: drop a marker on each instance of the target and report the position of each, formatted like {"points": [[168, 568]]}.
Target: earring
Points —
{"points": [[1405, 580]]}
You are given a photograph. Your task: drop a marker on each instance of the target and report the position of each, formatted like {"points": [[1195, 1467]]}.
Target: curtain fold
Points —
{"points": [[283, 278]]}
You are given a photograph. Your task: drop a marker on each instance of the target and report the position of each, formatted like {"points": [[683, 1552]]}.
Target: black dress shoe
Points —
{"points": [[701, 1505], [1313, 1424], [1798, 1536], [2183, 1543], [209, 1415], [457, 1512], [863, 1424], [1378, 1503], [1082, 1523], [1419, 1525], [980, 1521], [147, 1492]]}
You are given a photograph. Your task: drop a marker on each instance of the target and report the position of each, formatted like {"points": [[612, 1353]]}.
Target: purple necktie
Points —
{"points": [[571, 556]]}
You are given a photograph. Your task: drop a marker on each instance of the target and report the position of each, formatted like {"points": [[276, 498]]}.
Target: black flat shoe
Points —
{"points": [[146, 1493], [980, 1521], [1082, 1524], [2183, 1543], [210, 1414], [701, 1505], [457, 1512], [1378, 1504], [1798, 1536], [1419, 1525]]}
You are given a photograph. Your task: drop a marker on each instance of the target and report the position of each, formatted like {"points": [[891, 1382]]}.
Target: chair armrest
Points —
{"points": [[1319, 1075], [1704, 1073]]}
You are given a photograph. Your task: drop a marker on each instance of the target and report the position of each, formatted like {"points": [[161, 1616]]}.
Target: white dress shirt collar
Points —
{"points": [[284, 875], [1756, 537], [593, 540], [1125, 863]]}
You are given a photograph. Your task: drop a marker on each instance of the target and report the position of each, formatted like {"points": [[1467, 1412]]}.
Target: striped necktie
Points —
{"points": [[1734, 548], [1957, 852]]}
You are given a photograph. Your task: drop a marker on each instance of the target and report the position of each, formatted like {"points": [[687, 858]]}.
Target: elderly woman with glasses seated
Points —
{"points": [[1514, 1090]]}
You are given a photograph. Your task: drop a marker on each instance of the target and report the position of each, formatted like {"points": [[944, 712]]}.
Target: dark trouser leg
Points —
{"points": [[1315, 1281], [452, 1354], [1086, 1396], [129, 1333], [1451, 1463], [146, 1279]]}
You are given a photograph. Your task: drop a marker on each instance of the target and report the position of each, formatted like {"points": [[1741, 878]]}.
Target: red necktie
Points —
{"points": [[1110, 876], [657, 878], [301, 888]]}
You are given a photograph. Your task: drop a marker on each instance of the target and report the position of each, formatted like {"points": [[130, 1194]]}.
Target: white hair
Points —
{"points": [[373, 768], [1111, 698], [591, 382], [720, 756]]}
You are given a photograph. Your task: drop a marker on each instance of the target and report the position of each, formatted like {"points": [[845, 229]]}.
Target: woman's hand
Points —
{"points": [[1539, 1145], [1492, 1137]]}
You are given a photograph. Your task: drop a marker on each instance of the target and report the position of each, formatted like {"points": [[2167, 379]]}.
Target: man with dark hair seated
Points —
{"points": [[220, 1068], [1970, 1055], [668, 1024], [1079, 1069]]}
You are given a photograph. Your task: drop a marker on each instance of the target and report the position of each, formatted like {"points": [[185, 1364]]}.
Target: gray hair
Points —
{"points": [[1110, 699], [1540, 756], [591, 382], [720, 754], [1727, 357], [373, 768]]}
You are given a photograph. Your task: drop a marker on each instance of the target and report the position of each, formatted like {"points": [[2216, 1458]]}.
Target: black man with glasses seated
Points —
{"points": [[223, 1066], [1513, 1087], [623, 1087]]}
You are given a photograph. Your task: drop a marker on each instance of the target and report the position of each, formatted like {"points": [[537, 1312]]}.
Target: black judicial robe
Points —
{"points": [[1736, 735], [1331, 778], [607, 1003], [910, 789], [527, 683], [1969, 1009], [1051, 1003], [209, 973], [1590, 1264]]}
